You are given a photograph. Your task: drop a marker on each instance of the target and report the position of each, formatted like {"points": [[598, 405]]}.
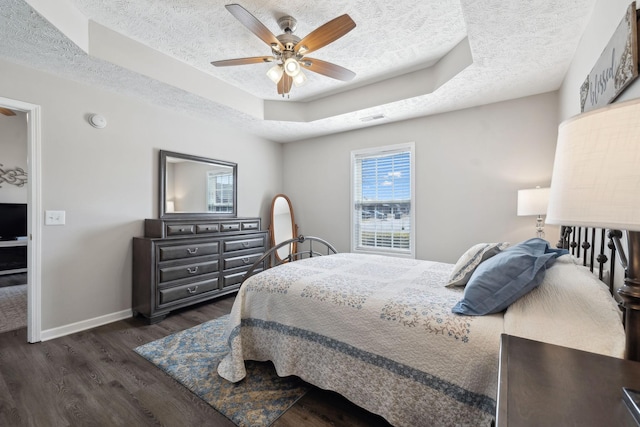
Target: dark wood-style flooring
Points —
{"points": [[94, 378]]}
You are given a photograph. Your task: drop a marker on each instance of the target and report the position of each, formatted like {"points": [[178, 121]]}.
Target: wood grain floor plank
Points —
{"points": [[94, 378]]}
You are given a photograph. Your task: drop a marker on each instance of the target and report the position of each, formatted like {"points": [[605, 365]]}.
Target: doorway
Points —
{"points": [[34, 216]]}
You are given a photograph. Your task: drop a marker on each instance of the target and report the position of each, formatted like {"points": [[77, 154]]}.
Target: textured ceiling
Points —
{"points": [[518, 49]]}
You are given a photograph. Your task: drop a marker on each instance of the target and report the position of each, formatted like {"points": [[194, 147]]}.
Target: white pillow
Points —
{"points": [[571, 308], [471, 259]]}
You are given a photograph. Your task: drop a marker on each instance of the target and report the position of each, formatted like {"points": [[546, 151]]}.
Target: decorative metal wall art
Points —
{"points": [[617, 66], [16, 176]]}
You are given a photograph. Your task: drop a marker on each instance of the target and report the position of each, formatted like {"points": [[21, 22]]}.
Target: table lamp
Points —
{"points": [[596, 183], [533, 202]]}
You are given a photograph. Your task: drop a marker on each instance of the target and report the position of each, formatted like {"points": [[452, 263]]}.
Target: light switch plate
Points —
{"points": [[54, 217]]}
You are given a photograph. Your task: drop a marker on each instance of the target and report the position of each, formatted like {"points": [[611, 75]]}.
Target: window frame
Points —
{"points": [[356, 215], [216, 191]]}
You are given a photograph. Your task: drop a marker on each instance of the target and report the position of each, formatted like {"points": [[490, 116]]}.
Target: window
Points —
{"points": [[382, 192], [220, 192]]}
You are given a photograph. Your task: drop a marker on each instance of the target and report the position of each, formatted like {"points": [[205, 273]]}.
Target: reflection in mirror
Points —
{"points": [[196, 186], [283, 226]]}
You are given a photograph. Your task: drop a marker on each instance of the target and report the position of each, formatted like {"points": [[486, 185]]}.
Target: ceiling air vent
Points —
{"points": [[370, 118]]}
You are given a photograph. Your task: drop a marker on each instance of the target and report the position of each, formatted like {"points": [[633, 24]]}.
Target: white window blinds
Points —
{"points": [[382, 200], [220, 192]]}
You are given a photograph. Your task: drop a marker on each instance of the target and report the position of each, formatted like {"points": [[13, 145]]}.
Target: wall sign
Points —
{"points": [[617, 66]]}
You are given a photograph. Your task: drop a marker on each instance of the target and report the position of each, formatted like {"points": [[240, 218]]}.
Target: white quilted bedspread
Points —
{"points": [[380, 331], [377, 330]]}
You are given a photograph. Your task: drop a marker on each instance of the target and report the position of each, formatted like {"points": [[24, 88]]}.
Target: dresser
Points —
{"points": [[548, 385], [183, 262]]}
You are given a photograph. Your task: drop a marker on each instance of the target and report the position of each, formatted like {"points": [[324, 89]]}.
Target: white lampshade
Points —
{"points": [[596, 174], [533, 201], [299, 79], [275, 73]]}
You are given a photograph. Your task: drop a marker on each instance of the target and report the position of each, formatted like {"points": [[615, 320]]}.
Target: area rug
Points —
{"points": [[191, 357]]}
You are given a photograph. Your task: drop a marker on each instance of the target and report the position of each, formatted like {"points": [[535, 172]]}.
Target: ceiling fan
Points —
{"points": [[288, 51], [7, 112]]}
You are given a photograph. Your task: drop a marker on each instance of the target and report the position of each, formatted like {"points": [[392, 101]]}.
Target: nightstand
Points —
{"points": [[547, 385]]}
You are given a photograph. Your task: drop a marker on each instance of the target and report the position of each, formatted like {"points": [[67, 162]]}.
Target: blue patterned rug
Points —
{"points": [[191, 357]]}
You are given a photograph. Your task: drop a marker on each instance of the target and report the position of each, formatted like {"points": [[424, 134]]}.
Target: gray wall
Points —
{"points": [[469, 166], [106, 181]]}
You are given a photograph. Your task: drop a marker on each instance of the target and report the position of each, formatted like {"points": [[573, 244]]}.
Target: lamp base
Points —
{"points": [[540, 227], [630, 293]]}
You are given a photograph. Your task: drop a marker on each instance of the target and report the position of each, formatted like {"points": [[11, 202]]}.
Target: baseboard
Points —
{"points": [[71, 328]]}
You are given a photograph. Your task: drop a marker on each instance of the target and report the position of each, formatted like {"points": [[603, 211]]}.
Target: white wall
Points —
{"points": [[469, 166], [13, 154], [106, 181], [605, 18]]}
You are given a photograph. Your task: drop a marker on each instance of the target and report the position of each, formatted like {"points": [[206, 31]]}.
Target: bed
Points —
{"points": [[381, 332]]}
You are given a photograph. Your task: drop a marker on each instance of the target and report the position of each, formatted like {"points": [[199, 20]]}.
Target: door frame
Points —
{"points": [[34, 214]]}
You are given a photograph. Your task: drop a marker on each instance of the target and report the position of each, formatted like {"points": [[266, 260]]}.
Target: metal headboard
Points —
{"points": [[582, 242], [304, 249]]}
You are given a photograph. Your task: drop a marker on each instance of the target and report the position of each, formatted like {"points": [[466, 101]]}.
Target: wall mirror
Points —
{"points": [[192, 186], [283, 226]]}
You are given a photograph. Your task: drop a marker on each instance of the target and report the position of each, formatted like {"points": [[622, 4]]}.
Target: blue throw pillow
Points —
{"points": [[499, 281]]}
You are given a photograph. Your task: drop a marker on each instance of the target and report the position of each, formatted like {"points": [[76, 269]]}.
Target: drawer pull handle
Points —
{"points": [[192, 291], [182, 230], [192, 251], [246, 260], [192, 270], [245, 244]]}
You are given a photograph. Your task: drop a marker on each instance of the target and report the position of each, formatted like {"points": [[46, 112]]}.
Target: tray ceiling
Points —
{"points": [[411, 58]]}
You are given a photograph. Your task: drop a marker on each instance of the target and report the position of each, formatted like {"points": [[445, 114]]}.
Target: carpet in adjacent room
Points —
{"points": [[13, 307]]}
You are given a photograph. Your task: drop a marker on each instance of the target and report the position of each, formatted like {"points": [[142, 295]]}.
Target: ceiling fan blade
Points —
{"points": [[327, 69], [284, 85], [252, 23], [7, 112], [242, 61], [326, 33]]}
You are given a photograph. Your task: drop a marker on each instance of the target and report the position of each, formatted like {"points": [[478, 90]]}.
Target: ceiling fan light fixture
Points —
{"points": [[291, 67], [299, 79], [288, 50], [275, 73]]}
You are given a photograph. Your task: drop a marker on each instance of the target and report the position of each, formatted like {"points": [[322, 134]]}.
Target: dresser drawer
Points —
{"points": [[191, 250], [240, 261], [176, 293], [207, 228], [248, 243], [180, 229], [250, 225], [230, 226], [188, 270], [232, 279]]}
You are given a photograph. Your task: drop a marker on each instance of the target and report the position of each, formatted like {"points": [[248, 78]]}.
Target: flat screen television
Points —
{"points": [[13, 220]]}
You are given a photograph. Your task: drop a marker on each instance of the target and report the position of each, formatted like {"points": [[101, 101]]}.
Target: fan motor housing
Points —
{"points": [[288, 40]]}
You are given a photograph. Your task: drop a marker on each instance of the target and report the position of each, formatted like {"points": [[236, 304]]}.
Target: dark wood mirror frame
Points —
{"points": [[164, 213]]}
